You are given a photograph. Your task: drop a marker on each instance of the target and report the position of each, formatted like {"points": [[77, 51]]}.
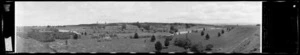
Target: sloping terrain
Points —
{"points": [[237, 39]]}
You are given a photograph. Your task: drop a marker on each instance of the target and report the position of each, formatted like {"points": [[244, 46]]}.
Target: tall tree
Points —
{"points": [[206, 37], [173, 30], [167, 42], [135, 36], [158, 46], [202, 33], [152, 38], [222, 31], [219, 34]]}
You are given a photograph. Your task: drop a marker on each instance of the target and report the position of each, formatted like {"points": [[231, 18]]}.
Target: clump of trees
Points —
{"points": [[173, 30], [209, 47], [167, 40], [189, 25], [152, 38], [158, 46], [123, 27], [197, 47], [76, 36], [42, 37], [184, 43]]}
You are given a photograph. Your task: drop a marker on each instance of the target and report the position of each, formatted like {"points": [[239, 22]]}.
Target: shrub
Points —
{"points": [[184, 43], [197, 47], [152, 38], [209, 47], [76, 36], [158, 46]]}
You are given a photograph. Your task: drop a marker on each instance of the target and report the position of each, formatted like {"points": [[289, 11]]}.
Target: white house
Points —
{"points": [[182, 32], [63, 30], [60, 30]]}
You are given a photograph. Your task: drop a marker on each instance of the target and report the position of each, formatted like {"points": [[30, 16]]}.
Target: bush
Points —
{"points": [[152, 38], [197, 47], [158, 46], [184, 43], [209, 47]]}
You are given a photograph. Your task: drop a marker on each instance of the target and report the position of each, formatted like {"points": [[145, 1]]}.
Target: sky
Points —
{"points": [[70, 13]]}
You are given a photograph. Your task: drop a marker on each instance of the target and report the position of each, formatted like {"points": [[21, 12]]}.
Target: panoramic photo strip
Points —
{"points": [[141, 27]]}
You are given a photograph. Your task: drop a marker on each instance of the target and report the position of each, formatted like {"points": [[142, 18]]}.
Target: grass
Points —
{"points": [[143, 44]]}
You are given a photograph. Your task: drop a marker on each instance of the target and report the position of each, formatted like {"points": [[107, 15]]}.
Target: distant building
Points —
{"points": [[48, 30], [60, 30]]}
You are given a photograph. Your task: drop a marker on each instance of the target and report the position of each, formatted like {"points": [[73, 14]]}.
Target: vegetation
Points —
{"points": [[206, 37], [219, 34], [222, 31], [135, 36], [184, 43], [152, 38], [202, 33], [209, 47], [173, 30], [42, 37], [158, 46], [197, 47], [167, 40]]}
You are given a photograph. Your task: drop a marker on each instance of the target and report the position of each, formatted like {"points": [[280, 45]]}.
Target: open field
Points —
{"points": [[137, 37]]}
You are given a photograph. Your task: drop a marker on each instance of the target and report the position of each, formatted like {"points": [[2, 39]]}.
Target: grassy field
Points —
{"points": [[238, 39]]}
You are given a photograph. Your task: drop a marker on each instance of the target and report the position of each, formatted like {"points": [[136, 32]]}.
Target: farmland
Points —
{"points": [[139, 37]]}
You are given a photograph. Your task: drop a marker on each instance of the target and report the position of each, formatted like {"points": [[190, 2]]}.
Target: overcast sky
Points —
{"points": [[66, 13]]}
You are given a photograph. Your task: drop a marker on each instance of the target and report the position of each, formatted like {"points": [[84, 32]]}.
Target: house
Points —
{"points": [[60, 30], [48, 30]]}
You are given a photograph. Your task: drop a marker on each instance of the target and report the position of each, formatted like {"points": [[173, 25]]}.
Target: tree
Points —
{"points": [[123, 27], [197, 47], [75, 36], [167, 40], [135, 36], [158, 46], [219, 34], [152, 38], [209, 47], [173, 30], [202, 33], [222, 31], [147, 27], [206, 37], [48, 26], [184, 43]]}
